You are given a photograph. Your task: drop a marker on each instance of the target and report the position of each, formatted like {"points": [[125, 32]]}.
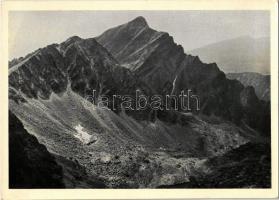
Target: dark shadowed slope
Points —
{"points": [[260, 82], [238, 55], [30, 164]]}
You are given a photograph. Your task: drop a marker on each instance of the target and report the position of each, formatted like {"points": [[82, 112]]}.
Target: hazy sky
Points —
{"points": [[30, 30]]}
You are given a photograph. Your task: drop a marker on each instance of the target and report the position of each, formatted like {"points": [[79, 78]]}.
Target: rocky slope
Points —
{"points": [[50, 91], [248, 166], [32, 166], [261, 83], [238, 55], [120, 144]]}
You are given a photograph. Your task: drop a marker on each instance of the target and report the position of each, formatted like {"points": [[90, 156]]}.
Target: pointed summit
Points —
{"points": [[138, 21], [126, 38]]}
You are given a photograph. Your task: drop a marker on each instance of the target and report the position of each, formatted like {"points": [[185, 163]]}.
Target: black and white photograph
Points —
{"points": [[139, 99]]}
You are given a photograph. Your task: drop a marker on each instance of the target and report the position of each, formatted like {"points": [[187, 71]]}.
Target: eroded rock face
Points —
{"points": [[39, 75], [82, 64]]}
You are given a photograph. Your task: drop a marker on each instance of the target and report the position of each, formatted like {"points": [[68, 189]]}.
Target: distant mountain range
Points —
{"points": [[242, 54], [261, 83], [49, 89]]}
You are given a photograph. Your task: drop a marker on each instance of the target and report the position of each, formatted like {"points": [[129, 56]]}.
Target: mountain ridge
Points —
{"points": [[166, 61], [238, 55]]}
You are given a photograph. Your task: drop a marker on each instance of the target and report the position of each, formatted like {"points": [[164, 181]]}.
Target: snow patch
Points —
{"points": [[173, 85], [83, 136]]}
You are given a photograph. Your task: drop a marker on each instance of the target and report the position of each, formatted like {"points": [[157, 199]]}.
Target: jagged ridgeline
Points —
{"points": [[48, 92]]}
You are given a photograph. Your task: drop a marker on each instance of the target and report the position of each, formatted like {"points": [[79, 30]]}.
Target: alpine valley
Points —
{"points": [[59, 139]]}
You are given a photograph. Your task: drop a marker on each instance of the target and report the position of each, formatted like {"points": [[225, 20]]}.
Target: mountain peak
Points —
{"points": [[139, 21]]}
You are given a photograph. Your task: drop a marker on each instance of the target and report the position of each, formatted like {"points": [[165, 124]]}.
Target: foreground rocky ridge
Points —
{"points": [[248, 166], [48, 92], [31, 165]]}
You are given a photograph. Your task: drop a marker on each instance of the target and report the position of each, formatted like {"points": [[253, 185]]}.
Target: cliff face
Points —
{"points": [[261, 83], [82, 63], [154, 57], [31, 165]]}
